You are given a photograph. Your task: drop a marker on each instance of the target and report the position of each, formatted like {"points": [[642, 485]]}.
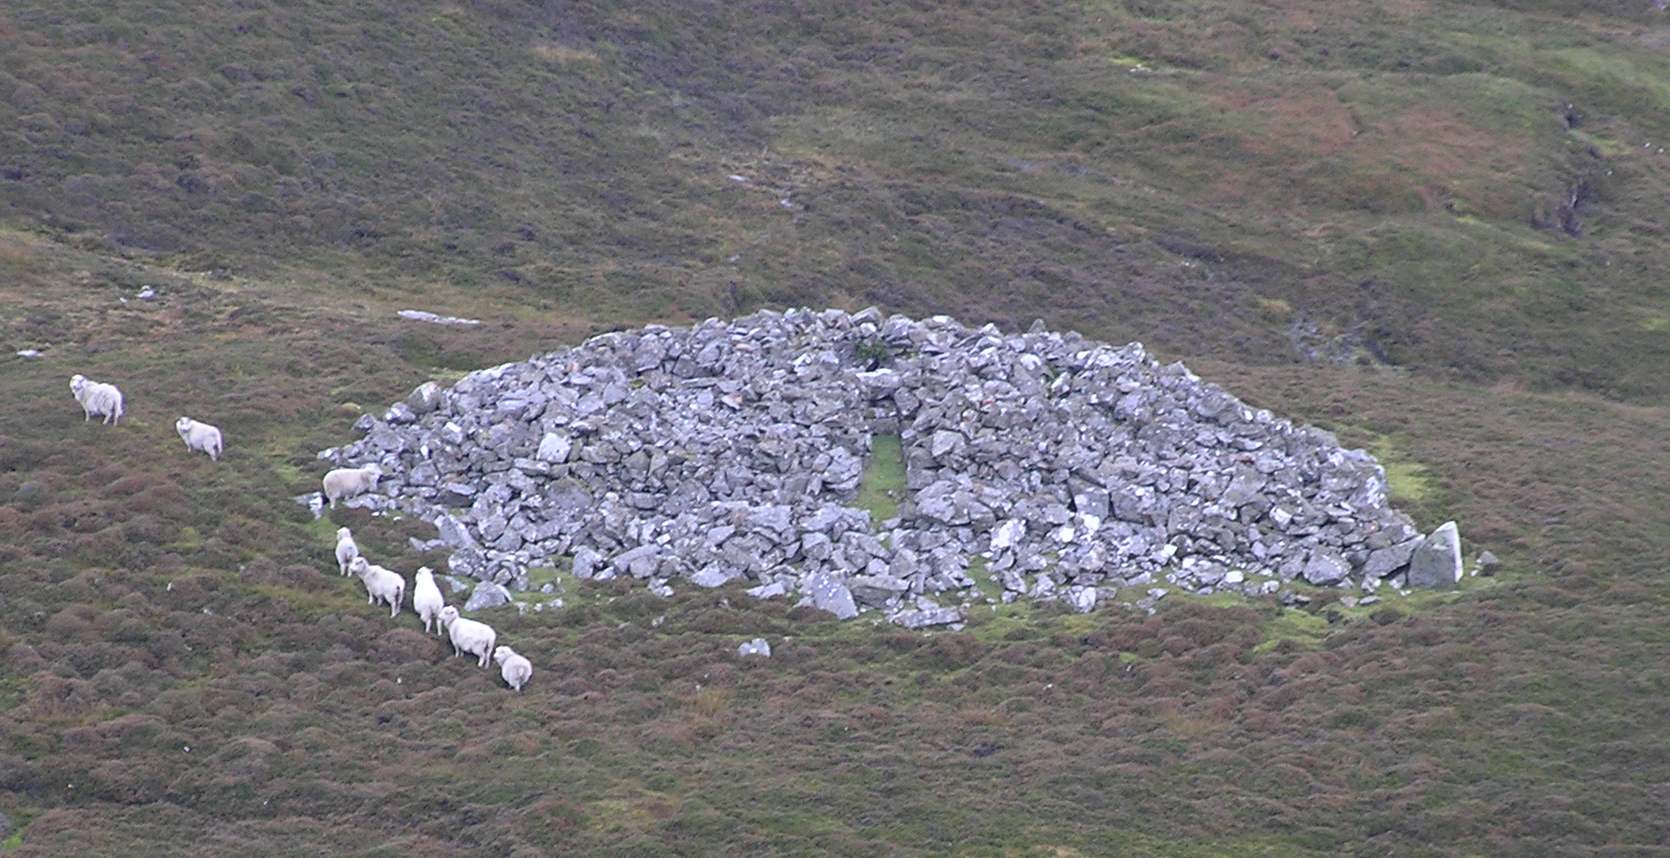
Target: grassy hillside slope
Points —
{"points": [[1467, 186], [1432, 227]]}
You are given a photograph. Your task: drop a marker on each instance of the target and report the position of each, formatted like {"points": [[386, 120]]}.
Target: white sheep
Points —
{"points": [[346, 549], [344, 483], [199, 436], [427, 600], [513, 667], [468, 636], [97, 398], [381, 585]]}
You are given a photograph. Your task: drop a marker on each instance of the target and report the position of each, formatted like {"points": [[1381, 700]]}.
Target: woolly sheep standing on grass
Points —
{"points": [[468, 636], [427, 600], [381, 585], [346, 549], [199, 436], [515, 669], [97, 398], [344, 483]]}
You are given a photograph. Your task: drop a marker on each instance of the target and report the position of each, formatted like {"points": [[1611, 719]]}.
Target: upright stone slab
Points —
{"points": [[1436, 564]]}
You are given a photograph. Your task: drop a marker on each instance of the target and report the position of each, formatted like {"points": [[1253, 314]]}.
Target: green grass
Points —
{"points": [[1290, 625], [882, 486], [1408, 482]]}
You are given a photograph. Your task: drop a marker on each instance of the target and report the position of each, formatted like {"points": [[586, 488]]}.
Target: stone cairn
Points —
{"points": [[1039, 465]]}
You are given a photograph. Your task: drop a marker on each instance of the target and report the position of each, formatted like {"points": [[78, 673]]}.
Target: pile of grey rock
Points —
{"points": [[1038, 465]]}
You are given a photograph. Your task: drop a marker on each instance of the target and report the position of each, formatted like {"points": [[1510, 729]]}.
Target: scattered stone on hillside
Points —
{"points": [[435, 319], [1485, 564], [487, 595], [922, 618], [314, 501], [733, 451], [29, 354], [1436, 564], [757, 646]]}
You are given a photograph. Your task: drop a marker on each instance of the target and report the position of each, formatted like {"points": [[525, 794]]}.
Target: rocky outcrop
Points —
{"points": [[1071, 469]]}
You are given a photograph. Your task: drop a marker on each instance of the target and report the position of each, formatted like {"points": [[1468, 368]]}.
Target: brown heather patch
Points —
{"points": [[1435, 144], [1296, 125]]}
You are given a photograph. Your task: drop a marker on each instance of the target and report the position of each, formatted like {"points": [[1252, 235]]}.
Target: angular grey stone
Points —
{"points": [[425, 398], [829, 594], [757, 646], [554, 448], [709, 576], [1436, 564], [769, 591], [945, 443], [586, 562], [399, 413], [487, 595], [925, 617], [1093, 502], [1325, 567], [877, 589], [1008, 534], [640, 562], [1389, 560], [774, 517]]}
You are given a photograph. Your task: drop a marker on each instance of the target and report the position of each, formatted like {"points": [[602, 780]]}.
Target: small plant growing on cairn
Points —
{"points": [[874, 354]]}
